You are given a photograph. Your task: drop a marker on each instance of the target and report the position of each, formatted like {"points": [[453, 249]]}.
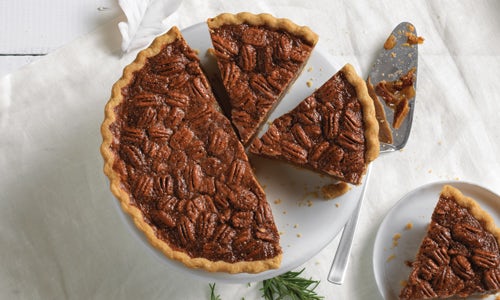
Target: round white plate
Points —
{"points": [[306, 221], [415, 208]]}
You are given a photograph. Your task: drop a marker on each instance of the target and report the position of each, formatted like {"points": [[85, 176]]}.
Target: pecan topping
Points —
{"points": [[256, 67], [177, 99], [237, 172], [146, 99], [485, 259], [440, 256], [162, 218], [294, 152], [462, 267], [254, 36], [169, 68], [206, 225], [492, 279], [224, 48], [147, 118], [301, 136], [260, 84], [248, 58], [181, 163], [132, 135], [242, 219], [428, 269], [133, 155], [468, 234], [186, 230]]}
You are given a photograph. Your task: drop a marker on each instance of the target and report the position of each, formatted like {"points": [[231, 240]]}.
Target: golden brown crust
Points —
{"points": [[264, 19], [384, 131], [473, 207], [371, 123], [124, 197]]}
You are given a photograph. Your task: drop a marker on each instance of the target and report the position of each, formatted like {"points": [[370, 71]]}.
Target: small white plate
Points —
{"points": [[416, 208], [308, 223]]}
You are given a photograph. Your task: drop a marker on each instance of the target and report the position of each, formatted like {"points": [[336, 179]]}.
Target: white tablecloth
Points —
{"points": [[60, 234]]}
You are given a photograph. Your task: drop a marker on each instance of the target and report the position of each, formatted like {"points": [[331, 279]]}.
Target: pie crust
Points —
{"points": [[459, 255], [188, 186], [259, 57], [334, 131]]}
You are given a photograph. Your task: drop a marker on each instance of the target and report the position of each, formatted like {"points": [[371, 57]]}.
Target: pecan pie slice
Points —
{"points": [[333, 131], [259, 57], [179, 169], [459, 255]]}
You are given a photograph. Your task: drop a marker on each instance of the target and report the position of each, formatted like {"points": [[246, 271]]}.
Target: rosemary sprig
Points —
{"points": [[290, 285], [212, 292]]}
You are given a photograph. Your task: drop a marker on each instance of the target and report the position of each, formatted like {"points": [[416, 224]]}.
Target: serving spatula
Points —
{"points": [[398, 56]]}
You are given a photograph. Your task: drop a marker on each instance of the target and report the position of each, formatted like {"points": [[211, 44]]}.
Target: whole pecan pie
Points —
{"points": [[179, 169], [459, 255], [259, 57], [333, 131]]}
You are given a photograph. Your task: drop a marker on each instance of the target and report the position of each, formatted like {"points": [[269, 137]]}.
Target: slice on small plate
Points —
{"points": [[439, 240]]}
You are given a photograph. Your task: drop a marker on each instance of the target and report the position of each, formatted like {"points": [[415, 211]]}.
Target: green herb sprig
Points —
{"points": [[213, 296], [290, 285]]}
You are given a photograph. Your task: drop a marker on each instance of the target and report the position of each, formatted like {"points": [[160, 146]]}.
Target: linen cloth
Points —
{"points": [[61, 236]]}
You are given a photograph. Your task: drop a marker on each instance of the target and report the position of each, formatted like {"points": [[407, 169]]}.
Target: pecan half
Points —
{"points": [[186, 230], [248, 58], [462, 267], [485, 259]]}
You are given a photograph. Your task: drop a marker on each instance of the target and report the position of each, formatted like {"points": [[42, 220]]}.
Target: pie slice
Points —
{"points": [[259, 57], [178, 168], [333, 131], [459, 256]]}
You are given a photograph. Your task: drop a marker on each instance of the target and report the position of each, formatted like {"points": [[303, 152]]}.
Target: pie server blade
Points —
{"points": [[390, 65]]}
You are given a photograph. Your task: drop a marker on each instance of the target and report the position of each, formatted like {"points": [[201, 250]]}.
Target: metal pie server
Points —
{"points": [[398, 56]]}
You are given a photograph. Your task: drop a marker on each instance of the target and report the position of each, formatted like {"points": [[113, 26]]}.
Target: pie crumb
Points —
{"points": [[309, 83], [309, 69], [277, 201], [284, 212], [296, 225], [334, 190], [390, 42], [299, 235], [337, 205], [395, 239], [391, 257], [430, 171], [409, 226], [403, 283]]}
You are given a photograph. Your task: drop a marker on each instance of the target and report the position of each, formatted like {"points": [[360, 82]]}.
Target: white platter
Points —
{"points": [[307, 222], [416, 208]]}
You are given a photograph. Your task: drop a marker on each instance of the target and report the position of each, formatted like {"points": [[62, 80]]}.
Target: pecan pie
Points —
{"points": [[179, 169], [333, 131], [259, 57], [459, 255]]}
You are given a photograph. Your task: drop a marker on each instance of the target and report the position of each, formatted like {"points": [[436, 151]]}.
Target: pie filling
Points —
{"points": [[182, 165], [257, 64], [328, 132], [459, 255]]}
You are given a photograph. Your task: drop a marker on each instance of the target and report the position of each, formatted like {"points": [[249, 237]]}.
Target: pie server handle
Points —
{"points": [[341, 260]]}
